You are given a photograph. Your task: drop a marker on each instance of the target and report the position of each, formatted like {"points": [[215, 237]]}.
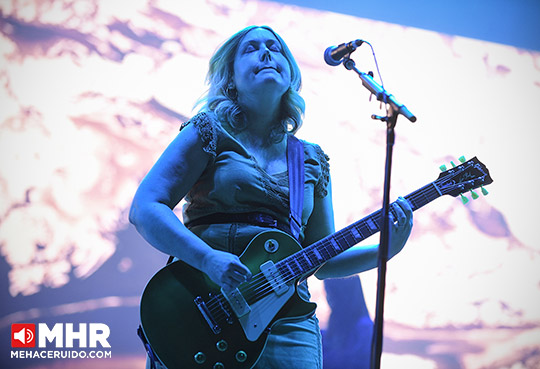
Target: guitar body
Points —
{"points": [[180, 334]]}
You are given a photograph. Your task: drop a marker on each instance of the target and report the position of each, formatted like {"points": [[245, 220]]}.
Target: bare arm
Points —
{"points": [[357, 259], [169, 180]]}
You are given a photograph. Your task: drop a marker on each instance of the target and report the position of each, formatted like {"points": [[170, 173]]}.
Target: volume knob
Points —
{"points": [[222, 345], [200, 358], [241, 356]]}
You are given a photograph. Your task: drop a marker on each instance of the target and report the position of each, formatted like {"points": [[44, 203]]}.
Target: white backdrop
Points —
{"points": [[90, 100]]}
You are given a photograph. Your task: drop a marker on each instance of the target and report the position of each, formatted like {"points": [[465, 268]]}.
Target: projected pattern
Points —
{"points": [[92, 91]]}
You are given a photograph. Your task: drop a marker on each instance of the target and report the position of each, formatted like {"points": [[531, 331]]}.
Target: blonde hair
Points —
{"points": [[221, 98]]}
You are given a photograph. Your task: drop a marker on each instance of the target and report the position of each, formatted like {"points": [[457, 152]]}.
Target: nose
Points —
{"points": [[265, 54]]}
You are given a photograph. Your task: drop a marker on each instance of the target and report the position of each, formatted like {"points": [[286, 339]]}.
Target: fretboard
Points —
{"points": [[313, 256]]}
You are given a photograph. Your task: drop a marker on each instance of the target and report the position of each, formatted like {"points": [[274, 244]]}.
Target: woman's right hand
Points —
{"points": [[225, 269]]}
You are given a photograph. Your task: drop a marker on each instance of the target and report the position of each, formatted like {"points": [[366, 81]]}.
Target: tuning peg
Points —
{"points": [[443, 168], [462, 159], [453, 165], [484, 191], [464, 200], [474, 195]]}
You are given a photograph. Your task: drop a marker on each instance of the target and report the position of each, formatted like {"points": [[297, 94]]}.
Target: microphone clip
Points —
{"points": [[335, 55]]}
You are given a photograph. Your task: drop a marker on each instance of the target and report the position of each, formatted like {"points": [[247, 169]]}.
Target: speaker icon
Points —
{"points": [[23, 335]]}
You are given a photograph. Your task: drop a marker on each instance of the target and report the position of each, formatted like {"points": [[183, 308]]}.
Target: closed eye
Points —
{"points": [[273, 46], [254, 46]]}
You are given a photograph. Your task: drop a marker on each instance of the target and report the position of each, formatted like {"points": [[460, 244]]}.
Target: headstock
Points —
{"points": [[465, 177]]}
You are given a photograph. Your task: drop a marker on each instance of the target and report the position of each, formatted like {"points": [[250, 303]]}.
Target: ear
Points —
{"points": [[231, 91]]}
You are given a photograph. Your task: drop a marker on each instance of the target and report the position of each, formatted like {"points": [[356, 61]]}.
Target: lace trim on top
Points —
{"points": [[207, 131], [321, 188], [272, 187]]}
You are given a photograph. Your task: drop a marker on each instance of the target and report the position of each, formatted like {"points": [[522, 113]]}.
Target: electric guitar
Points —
{"points": [[191, 323]]}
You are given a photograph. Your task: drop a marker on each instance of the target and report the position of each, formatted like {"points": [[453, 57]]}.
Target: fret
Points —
{"points": [[366, 231], [348, 239], [414, 203], [436, 188], [324, 251], [309, 262], [372, 226], [313, 258], [423, 195], [317, 254], [329, 249], [293, 265], [426, 199], [298, 265], [289, 269], [335, 245], [356, 233], [420, 200]]}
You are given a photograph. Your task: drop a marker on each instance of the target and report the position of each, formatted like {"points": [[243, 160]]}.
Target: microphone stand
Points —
{"points": [[394, 110]]}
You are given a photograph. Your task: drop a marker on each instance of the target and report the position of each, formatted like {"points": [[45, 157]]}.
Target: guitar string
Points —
{"points": [[259, 285], [287, 275], [305, 264], [264, 287]]}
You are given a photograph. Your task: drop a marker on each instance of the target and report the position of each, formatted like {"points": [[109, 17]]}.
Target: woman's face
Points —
{"points": [[260, 66]]}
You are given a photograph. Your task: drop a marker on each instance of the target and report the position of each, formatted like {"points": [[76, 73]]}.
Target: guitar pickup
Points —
{"points": [[274, 277], [237, 302]]}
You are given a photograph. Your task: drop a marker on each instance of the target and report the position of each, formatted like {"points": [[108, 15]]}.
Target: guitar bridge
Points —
{"points": [[201, 305], [225, 310]]}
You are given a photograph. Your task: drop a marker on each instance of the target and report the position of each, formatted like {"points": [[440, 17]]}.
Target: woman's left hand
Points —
{"points": [[402, 226]]}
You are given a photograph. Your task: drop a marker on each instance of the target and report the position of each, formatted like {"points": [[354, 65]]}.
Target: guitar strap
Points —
{"points": [[149, 351], [295, 168]]}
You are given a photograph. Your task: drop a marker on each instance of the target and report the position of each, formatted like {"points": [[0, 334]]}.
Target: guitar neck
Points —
{"points": [[313, 256]]}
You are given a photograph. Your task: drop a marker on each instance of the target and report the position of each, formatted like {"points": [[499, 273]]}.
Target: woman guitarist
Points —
{"points": [[229, 162]]}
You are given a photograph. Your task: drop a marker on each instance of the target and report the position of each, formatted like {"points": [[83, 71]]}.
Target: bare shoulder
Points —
{"points": [[177, 169]]}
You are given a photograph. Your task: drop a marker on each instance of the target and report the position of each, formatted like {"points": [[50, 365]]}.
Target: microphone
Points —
{"points": [[334, 54]]}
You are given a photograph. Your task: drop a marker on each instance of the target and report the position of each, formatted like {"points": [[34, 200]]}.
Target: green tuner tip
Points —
{"points": [[464, 200], [442, 168], [484, 191], [462, 159], [453, 165], [474, 195]]}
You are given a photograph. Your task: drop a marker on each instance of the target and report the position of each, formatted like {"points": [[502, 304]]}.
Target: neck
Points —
{"points": [[261, 115]]}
